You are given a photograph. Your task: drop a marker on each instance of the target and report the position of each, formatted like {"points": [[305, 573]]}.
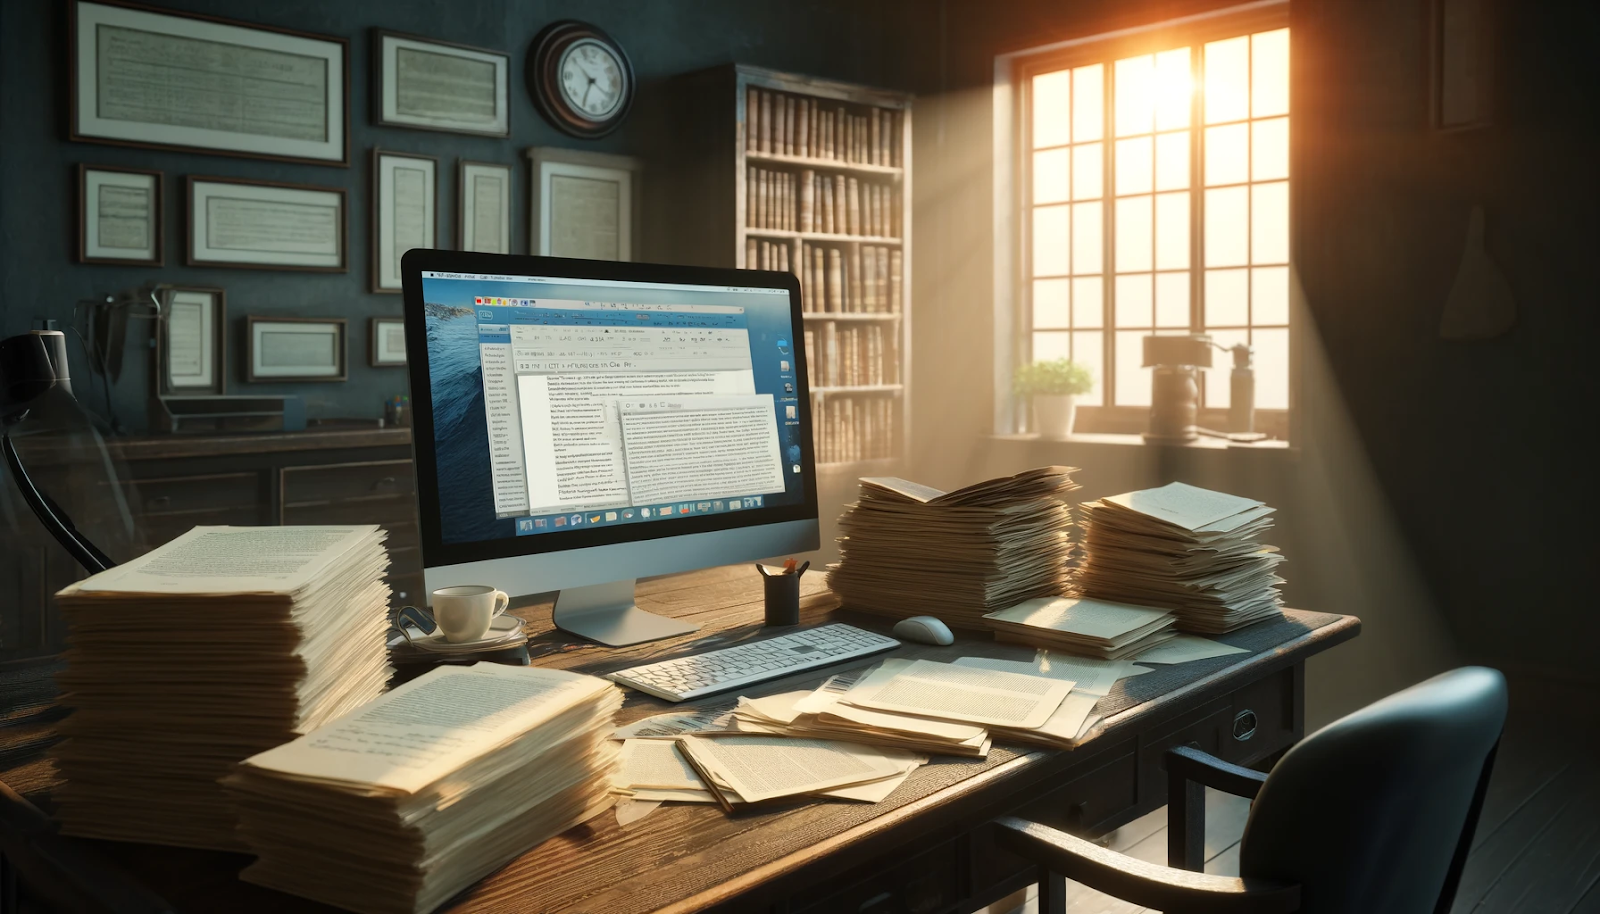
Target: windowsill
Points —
{"points": [[1091, 439]]}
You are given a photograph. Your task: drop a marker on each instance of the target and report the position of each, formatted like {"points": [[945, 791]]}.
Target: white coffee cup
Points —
{"points": [[466, 611]]}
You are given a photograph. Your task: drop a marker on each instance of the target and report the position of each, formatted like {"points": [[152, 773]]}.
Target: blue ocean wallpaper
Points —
{"points": [[461, 435]]}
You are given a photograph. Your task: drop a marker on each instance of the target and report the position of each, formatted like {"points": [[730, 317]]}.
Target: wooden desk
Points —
{"points": [[924, 849]]}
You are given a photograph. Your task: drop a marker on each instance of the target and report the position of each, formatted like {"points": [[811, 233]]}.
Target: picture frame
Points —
{"points": [[386, 342], [295, 349], [119, 215], [583, 204], [1461, 51], [264, 225], [191, 341], [405, 212], [428, 84], [480, 227], [114, 47]]}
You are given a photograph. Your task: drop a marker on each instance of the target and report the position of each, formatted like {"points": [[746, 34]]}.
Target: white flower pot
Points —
{"points": [[1055, 413]]}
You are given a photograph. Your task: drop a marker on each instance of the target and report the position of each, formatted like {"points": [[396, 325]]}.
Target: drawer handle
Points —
{"points": [[1244, 725], [387, 482], [161, 501]]}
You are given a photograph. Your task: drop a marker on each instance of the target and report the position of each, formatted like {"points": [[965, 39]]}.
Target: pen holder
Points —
{"points": [[782, 595]]}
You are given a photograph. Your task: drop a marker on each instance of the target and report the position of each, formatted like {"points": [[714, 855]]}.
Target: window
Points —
{"points": [[1155, 199]]}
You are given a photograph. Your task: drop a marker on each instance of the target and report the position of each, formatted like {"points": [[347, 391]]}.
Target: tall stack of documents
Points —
{"points": [[223, 643], [398, 806], [1190, 550], [910, 550], [1093, 628]]}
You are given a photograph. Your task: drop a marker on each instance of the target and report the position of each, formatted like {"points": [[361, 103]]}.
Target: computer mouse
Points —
{"points": [[924, 630]]}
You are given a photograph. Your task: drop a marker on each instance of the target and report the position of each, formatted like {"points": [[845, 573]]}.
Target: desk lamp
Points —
{"points": [[30, 365]]}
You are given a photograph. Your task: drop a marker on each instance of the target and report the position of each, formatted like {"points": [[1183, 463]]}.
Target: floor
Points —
{"points": [[1537, 848]]}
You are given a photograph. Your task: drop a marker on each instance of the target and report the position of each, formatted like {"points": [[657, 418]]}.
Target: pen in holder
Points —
{"points": [[783, 592]]}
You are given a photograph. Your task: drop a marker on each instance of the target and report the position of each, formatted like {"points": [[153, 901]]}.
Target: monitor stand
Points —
{"points": [[606, 613]]}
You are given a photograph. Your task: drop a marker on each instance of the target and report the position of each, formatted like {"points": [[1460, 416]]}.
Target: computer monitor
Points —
{"points": [[578, 424]]}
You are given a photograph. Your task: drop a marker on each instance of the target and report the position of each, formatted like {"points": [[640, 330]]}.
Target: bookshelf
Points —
{"points": [[778, 171]]}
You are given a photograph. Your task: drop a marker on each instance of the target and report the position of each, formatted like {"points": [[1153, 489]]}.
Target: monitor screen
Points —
{"points": [[568, 410]]}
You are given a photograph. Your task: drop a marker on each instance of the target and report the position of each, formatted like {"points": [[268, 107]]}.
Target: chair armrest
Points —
{"points": [[67, 875], [1146, 884], [1204, 768]]}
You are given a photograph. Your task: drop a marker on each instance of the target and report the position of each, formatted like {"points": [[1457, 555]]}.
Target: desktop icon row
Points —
{"points": [[527, 525]]}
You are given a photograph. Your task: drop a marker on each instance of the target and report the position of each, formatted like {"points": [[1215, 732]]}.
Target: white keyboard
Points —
{"points": [[744, 664]]}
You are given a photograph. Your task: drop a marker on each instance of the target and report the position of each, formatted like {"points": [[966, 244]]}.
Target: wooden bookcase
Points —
{"points": [[772, 170]]}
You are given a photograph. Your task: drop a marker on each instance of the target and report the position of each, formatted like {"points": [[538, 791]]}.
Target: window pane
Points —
{"points": [[1135, 95], [1269, 223], [1088, 171], [1050, 303], [1133, 234], [1269, 295], [1172, 161], [1050, 241], [1174, 89], [1052, 176], [1272, 368], [1050, 344], [1088, 350], [1216, 382], [1269, 75], [1088, 302], [1087, 228], [1052, 109], [1133, 166], [1227, 227], [1133, 380], [1134, 301], [1172, 231], [1227, 95], [1228, 154], [1172, 299], [1089, 103], [1227, 298], [1269, 149]]}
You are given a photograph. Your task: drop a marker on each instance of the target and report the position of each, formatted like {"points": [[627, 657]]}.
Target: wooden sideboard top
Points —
{"points": [[170, 447]]}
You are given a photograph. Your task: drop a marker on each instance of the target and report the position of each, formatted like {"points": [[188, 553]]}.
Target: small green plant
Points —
{"points": [[1057, 376]]}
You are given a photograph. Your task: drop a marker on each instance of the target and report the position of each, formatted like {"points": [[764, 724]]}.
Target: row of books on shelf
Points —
{"points": [[852, 356], [859, 279], [855, 428], [781, 124], [809, 202]]}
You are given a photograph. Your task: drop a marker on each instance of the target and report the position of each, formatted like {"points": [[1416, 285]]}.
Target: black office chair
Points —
{"points": [[1374, 813]]}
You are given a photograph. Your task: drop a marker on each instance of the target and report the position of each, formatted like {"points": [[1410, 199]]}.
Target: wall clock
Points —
{"points": [[580, 79]]}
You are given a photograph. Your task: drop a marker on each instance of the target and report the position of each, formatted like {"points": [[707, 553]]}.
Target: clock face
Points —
{"points": [[594, 83]]}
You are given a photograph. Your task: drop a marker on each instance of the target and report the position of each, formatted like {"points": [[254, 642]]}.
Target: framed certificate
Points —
{"points": [[295, 349], [234, 222], [147, 77], [584, 204], [439, 85], [119, 215], [483, 211], [386, 345], [191, 340], [404, 212]]}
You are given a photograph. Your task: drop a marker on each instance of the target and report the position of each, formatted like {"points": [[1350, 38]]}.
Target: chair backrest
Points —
{"points": [[1375, 812]]}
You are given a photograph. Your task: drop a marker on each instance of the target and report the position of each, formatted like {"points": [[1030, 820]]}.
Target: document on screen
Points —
{"points": [[696, 447]]}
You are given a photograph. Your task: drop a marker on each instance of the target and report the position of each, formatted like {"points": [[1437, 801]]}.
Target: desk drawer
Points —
{"points": [[325, 485], [1205, 729], [1262, 720], [220, 493], [926, 883]]}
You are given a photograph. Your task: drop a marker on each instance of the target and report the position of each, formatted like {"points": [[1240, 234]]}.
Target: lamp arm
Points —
{"points": [[54, 519]]}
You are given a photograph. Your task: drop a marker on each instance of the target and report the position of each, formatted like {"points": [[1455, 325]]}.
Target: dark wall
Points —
{"points": [[38, 178]]}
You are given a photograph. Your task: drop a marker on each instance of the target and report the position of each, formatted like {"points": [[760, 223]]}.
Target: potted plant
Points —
{"points": [[1054, 386]]}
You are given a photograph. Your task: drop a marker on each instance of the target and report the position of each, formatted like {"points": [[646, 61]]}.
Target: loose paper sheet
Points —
{"points": [[766, 767], [655, 763], [970, 694], [1184, 648], [432, 725], [269, 560], [717, 717], [1186, 506], [1080, 616]]}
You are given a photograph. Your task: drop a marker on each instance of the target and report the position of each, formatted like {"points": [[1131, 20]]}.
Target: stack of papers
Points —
{"points": [[1076, 717], [821, 715], [751, 770], [407, 801], [910, 550], [1109, 631], [221, 644], [1190, 550]]}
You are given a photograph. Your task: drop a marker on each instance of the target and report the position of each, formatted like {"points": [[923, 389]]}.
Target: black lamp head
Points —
{"points": [[30, 364]]}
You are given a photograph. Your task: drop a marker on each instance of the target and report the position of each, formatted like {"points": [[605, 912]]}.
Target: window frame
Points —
{"points": [[1193, 32]]}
